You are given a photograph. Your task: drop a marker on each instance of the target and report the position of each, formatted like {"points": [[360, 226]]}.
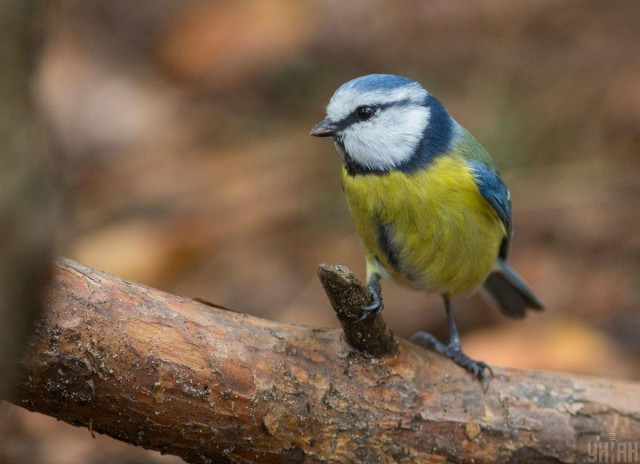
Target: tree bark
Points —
{"points": [[348, 298], [27, 200], [212, 385]]}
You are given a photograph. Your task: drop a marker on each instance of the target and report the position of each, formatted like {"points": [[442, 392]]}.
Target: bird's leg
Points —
{"points": [[479, 369], [376, 306]]}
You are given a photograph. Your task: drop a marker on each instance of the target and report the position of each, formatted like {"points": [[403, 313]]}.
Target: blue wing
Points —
{"points": [[496, 193]]}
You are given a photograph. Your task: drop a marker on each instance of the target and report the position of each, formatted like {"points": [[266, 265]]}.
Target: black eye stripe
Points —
{"points": [[353, 118], [346, 122]]}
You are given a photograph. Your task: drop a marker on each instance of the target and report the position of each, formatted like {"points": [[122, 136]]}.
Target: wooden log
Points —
{"points": [[212, 385]]}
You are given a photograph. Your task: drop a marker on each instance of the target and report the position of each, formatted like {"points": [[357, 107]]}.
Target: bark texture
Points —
{"points": [[348, 297], [213, 385]]}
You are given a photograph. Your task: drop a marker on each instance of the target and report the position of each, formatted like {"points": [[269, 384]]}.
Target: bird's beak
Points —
{"points": [[326, 128]]}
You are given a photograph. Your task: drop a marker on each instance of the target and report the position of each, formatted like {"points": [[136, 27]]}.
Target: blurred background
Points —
{"points": [[181, 130]]}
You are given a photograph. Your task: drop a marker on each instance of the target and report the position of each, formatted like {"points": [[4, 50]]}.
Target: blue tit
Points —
{"points": [[426, 199]]}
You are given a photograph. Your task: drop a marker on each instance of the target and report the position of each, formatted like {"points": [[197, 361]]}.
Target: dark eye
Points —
{"points": [[364, 113]]}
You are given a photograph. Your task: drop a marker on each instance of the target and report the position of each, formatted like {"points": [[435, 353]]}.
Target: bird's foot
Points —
{"points": [[480, 370], [372, 310]]}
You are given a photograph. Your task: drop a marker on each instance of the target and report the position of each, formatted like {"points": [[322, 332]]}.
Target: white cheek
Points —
{"points": [[389, 139]]}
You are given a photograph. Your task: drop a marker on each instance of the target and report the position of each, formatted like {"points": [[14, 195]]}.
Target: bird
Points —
{"points": [[427, 201]]}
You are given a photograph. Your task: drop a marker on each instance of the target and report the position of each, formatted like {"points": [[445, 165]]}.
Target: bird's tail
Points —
{"points": [[509, 291]]}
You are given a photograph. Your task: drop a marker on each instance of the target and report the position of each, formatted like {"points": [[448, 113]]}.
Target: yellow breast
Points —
{"points": [[430, 229]]}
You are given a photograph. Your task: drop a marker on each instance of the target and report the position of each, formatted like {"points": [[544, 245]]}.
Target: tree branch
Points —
{"points": [[212, 385], [348, 297]]}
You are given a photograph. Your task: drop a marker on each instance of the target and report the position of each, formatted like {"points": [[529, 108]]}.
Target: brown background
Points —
{"points": [[181, 129]]}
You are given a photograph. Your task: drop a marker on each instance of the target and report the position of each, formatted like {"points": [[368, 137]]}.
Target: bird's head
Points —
{"points": [[378, 122]]}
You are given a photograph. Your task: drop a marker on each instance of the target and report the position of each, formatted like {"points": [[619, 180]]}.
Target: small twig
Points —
{"points": [[93, 435], [348, 296]]}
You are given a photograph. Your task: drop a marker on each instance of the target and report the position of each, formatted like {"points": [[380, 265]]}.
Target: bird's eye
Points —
{"points": [[364, 113]]}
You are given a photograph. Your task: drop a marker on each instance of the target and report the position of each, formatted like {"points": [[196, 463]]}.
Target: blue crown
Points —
{"points": [[378, 82]]}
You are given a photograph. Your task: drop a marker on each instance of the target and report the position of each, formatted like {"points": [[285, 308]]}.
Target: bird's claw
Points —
{"points": [[480, 370], [372, 310]]}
